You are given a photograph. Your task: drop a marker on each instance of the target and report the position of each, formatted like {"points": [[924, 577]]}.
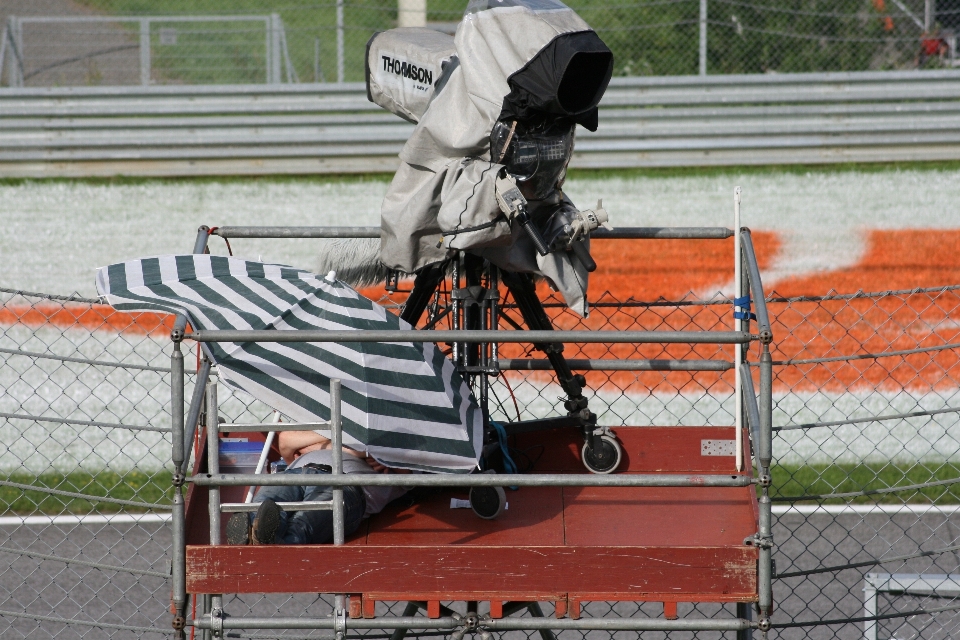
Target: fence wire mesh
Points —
{"points": [[309, 41], [866, 394]]}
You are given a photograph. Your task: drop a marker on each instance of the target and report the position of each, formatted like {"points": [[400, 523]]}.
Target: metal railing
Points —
{"points": [[758, 420], [318, 128], [276, 58]]}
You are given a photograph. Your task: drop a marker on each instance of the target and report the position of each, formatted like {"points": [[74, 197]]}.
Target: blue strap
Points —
{"points": [[508, 464], [741, 309]]}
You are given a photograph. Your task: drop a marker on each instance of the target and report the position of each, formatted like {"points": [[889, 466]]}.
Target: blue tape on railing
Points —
{"points": [[741, 309]]}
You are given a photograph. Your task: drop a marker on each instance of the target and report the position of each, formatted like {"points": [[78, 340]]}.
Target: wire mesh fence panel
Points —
{"points": [[865, 478], [305, 41]]}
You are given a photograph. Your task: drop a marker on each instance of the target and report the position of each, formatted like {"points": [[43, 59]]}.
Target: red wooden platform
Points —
{"points": [[566, 545]]}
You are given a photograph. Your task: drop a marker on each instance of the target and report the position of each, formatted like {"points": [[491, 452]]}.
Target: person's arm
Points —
{"points": [[293, 444], [379, 468]]}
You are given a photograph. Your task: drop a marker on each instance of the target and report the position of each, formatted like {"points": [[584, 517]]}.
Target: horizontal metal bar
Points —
{"points": [[472, 337], [371, 146], [502, 624], [662, 233], [471, 480], [99, 363], [83, 423], [400, 622], [622, 233], [297, 232], [541, 364], [135, 18], [275, 426], [250, 507], [616, 624]]}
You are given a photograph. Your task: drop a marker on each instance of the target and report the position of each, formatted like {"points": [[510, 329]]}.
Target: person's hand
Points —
{"points": [[376, 466]]}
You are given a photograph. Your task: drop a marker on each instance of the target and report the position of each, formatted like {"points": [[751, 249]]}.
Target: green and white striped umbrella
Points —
{"points": [[404, 403]]}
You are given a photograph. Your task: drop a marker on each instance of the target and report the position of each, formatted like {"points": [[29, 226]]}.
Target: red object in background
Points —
{"points": [[932, 46]]}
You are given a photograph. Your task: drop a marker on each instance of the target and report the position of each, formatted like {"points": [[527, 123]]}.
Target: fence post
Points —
{"points": [[273, 75], [870, 606], [340, 74], [178, 563], [929, 12], [411, 13], [703, 37], [144, 51]]}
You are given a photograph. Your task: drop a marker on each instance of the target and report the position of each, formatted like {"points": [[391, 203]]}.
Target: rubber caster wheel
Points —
{"points": [[603, 459], [488, 502]]}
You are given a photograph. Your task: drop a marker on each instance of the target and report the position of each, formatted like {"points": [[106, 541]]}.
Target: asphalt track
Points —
{"points": [[804, 541]]}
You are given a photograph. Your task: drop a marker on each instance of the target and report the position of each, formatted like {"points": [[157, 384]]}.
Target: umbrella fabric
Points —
{"points": [[403, 403]]}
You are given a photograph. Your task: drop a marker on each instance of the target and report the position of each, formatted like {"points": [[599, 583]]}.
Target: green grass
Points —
{"points": [[646, 38], [787, 482], [830, 479], [140, 487]]}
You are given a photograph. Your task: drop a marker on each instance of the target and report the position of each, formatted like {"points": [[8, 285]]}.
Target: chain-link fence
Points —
{"points": [[866, 448], [55, 43]]}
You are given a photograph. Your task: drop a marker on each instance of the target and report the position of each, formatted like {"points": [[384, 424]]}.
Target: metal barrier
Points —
{"points": [[758, 420], [319, 128]]}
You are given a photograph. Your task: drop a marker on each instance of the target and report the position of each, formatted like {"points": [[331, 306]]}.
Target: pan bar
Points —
{"points": [[475, 480], [595, 337]]}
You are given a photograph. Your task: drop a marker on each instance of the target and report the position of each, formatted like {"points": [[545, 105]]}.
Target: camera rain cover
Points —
{"points": [[404, 68]]}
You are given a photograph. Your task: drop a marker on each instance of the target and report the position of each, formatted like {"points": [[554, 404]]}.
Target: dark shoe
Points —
{"points": [[266, 523], [238, 529]]}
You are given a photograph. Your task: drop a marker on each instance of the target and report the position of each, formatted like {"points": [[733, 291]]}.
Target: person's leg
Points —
{"points": [[239, 524], [316, 527]]}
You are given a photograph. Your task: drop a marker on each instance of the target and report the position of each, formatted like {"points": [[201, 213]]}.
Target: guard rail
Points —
{"points": [[332, 128]]}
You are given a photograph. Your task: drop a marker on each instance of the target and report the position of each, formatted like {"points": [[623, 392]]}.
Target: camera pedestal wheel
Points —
{"points": [[605, 458]]}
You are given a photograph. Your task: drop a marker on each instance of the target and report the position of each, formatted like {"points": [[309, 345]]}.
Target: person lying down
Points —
{"points": [[308, 453]]}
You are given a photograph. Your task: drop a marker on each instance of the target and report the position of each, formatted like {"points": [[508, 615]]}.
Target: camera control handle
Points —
{"points": [[526, 223]]}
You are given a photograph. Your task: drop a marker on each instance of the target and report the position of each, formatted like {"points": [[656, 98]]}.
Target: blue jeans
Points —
{"points": [[313, 527]]}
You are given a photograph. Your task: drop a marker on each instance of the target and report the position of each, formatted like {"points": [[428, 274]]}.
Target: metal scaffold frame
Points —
{"points": [[754, 411]]}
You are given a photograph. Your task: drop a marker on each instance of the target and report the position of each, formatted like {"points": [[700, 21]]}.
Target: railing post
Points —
{"points": [[738, 324], [213, 460], [336, 436], [145, 51], [765, 533], [178, 553]]}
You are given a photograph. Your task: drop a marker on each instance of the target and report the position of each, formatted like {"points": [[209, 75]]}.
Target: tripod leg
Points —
{"points": [[525, 294], [424, 286]]}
